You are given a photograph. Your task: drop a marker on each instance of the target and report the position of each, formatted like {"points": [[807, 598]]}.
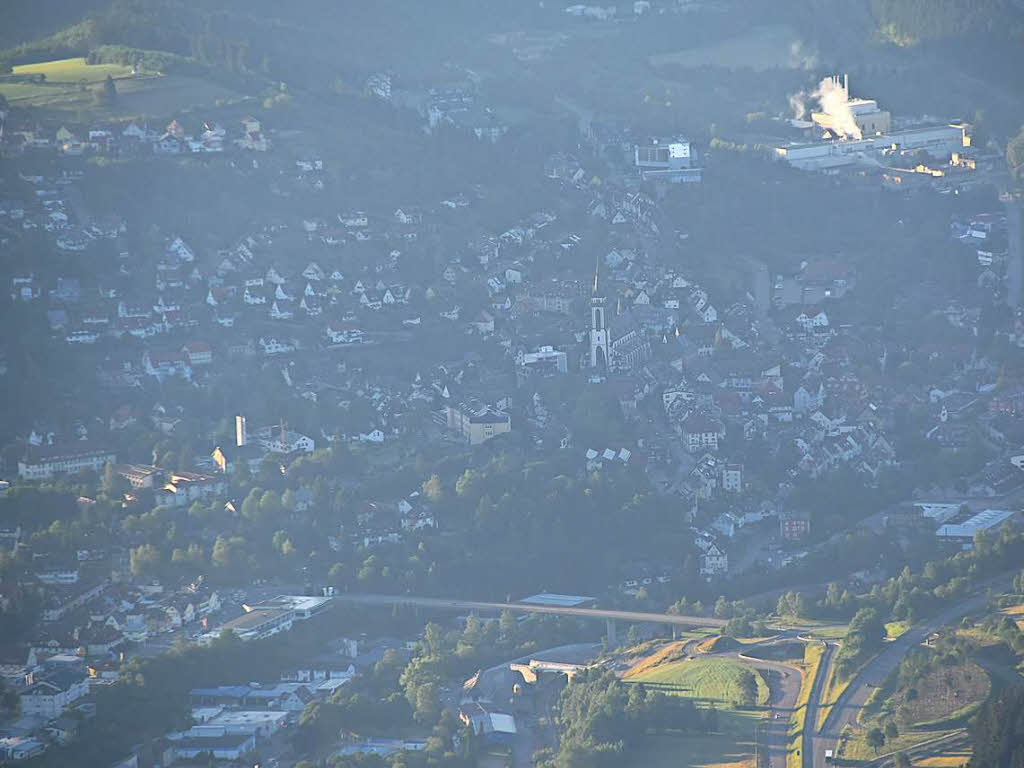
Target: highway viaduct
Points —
{"points": [[611, 617]]}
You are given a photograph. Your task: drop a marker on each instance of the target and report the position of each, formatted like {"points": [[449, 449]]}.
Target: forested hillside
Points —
{"points": [[998, 733], [919, 20], [309, 39]]}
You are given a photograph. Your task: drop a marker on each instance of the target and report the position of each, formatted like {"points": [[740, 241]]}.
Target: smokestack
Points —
{"points": [[240, 435], [846, 85]]}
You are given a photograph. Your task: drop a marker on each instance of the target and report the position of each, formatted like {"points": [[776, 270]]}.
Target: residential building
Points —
{"points": [[50, 696], [732, 478], [702, 433], [794, 526], [477, 425], [44, 461], [714, 561], [281, 440]]}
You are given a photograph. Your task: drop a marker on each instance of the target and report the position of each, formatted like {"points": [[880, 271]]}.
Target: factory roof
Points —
{"points": [[559, 601], [300, 603], [982, 521]]}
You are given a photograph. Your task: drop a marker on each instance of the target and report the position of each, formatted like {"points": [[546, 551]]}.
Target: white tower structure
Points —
{"points": [[598, 327]]}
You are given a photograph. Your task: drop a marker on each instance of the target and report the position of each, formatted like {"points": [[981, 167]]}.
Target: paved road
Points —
{"points": [[813, 702], [784, 684], [440, 604], [874, 673]]}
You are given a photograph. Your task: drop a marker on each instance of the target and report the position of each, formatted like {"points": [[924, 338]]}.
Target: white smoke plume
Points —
{"points": [[832, 100], [796, 103]]}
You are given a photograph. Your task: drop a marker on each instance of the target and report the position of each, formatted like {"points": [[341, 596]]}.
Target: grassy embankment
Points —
{"points": [[812, 660], [830, 693]]}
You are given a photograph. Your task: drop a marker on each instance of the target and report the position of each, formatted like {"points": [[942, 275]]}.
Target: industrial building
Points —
{"points": [[668, 160], [869, 119], [960, 529], [560, 601], [857, 131], [936, 140], [275, 615]]}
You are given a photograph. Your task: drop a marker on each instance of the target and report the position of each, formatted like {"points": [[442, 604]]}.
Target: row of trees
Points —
{"points": [[913, 596], [601, 718]]}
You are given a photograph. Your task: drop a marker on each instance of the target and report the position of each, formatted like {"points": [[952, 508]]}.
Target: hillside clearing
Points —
{"points": [[766, 47], [70, 84], [942, 693], [73, 71]]}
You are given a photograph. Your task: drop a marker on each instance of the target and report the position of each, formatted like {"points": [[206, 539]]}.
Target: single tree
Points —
{"points": [[876, 738], [106, 94]]}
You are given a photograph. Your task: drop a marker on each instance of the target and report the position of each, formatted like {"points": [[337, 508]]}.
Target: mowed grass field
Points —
{"points": [[73, 71], [951, 760], [71, 84], [719, 681]]}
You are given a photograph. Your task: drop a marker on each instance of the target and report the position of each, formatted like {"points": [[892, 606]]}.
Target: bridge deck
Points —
{"points": [[442, 604]]}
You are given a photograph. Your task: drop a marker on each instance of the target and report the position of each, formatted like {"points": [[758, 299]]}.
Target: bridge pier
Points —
{"points": [[610, 629]]}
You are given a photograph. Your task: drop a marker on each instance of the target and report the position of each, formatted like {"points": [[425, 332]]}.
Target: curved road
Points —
{"points": [[784, 683], [784, 686], [441, 604], [874, 673]]}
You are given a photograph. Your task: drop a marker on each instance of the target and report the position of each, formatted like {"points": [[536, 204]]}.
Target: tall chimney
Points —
{"points": [[846, 85], [240, 435]]}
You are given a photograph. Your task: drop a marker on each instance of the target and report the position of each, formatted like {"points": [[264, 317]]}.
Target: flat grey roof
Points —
{"points": [[561, 601]]}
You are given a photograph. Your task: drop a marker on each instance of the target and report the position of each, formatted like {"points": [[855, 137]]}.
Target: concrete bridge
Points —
{"points": [[611, 617], [531, 672]]}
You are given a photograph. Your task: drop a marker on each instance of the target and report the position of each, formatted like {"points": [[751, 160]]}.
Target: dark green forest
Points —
{"points": [[999, 732]]}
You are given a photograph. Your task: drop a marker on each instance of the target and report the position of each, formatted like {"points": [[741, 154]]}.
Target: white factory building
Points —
{"points": [[937, 140], [877, 141]]}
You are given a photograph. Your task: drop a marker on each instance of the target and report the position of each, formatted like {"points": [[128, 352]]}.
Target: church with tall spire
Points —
{"points": [[598, 326], [617, 343]]}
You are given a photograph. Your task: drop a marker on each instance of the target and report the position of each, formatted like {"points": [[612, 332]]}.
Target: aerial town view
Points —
{"points": [[511, 384]]}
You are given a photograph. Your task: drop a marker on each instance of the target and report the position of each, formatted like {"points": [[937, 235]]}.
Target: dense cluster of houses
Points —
{"points": [[134, 138], [772, 368], [707, 380]]}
